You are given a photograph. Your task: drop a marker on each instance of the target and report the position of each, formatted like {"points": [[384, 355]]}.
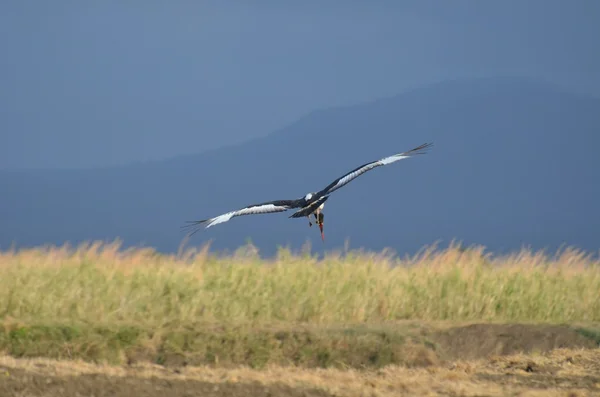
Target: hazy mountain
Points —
{"points": [[514, 163]]}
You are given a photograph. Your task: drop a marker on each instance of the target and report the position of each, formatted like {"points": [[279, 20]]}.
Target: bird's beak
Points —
{"points": [[322, 234]]}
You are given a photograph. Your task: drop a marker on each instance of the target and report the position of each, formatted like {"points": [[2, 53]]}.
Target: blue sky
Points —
{"points": [[89, 84]]}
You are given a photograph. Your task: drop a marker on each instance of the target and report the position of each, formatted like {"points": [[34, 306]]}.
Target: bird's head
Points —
{"points": [[320, 222]]}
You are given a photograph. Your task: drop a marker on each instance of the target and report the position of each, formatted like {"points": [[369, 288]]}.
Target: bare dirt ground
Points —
{"points": [[475, 360]]}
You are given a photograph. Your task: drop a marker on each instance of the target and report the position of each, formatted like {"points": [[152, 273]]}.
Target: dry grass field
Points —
{"points": [[562, 372], [444, 322]]}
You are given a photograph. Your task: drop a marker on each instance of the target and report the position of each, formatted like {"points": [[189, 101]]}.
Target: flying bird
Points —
{"points": [[312, 203]]}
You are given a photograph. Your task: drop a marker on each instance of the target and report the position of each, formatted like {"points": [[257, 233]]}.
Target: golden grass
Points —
{"points": [[102, 284]]}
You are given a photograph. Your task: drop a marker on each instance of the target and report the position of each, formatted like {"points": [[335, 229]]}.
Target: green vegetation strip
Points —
{"points": [[351, 346], [222, 346]]}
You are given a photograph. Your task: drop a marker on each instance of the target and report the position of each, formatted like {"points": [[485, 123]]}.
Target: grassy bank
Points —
{"points": [[97, 302], [412, 344]]}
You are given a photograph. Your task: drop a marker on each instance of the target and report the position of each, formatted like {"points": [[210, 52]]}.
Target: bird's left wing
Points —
{"points": [[262, 208], [355, 173]]}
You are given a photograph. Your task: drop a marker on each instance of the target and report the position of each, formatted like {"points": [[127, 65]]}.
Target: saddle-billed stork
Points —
{"points": [[312, 203]]}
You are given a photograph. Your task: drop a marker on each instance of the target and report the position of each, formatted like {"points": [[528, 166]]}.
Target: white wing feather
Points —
{"points": [[264, 208], [261, 209], [338, 183]]}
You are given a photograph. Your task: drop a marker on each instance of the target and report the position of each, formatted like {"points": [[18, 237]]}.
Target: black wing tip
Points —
{"points": [[193, 227], [421, 149], [194, 223]]}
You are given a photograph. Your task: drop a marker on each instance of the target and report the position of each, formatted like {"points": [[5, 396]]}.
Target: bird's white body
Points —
{"points": [[307, 197], [318, 210]]}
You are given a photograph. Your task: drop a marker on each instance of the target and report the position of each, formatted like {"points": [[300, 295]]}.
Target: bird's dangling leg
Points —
{"points": [[309, 222]]}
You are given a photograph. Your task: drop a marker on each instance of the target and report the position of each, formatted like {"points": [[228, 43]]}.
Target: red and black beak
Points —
{"points": [[320, 222]]}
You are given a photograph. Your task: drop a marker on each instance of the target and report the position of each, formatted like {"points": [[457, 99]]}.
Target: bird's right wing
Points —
{"points": [[262, 208], [355, 173]]}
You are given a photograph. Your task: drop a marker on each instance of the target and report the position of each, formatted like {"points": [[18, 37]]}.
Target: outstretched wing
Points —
{"points": [[355, 173], [307, 210], [254, 209]]}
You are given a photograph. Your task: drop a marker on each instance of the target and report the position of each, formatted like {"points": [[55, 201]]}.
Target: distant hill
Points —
{"points": [[514, 164]]}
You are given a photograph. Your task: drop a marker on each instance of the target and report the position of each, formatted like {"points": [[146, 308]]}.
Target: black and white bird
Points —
{"points": [[312, 203]]}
